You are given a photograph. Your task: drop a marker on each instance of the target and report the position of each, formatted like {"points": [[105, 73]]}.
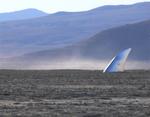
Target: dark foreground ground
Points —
{"points": [[74, 93]]}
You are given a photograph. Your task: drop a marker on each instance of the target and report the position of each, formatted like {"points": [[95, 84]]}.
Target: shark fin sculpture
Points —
{"points": [[117, 64]]}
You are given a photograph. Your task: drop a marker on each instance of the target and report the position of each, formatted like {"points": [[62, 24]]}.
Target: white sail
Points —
{"points": [[117, 64]]}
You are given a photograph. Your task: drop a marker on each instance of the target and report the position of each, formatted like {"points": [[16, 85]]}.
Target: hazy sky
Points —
{"points": [[59, 5]]}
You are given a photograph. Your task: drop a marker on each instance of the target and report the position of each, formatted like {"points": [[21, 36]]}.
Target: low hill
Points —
{"points": [[20, 15], [105, 44]]}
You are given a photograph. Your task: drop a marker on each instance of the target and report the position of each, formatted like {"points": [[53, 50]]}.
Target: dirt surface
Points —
{"points": [[74, 93]]}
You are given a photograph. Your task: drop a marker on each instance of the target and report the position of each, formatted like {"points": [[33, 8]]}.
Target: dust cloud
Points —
{"points": [[69, 64]]}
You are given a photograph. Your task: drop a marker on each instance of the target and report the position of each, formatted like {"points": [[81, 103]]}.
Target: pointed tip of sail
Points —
{"points": [[117, 64]]}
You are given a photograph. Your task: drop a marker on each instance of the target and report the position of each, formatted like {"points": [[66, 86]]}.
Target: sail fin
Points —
{"points": [[117, 64]]}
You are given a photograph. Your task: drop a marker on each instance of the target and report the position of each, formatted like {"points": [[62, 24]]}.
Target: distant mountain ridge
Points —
{"points": [[21, 15], [65, 28]]}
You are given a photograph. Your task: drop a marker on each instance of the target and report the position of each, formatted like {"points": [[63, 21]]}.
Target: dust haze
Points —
{"points": [[84, 64]]}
